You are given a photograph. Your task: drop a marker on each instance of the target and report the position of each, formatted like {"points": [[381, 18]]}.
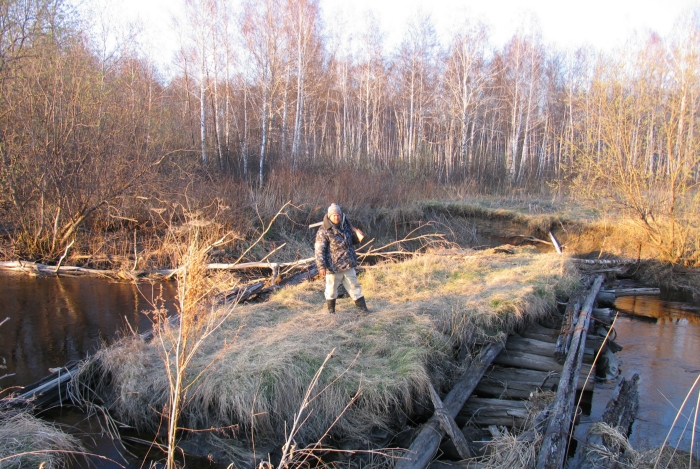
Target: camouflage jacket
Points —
{"points": [[334, 246]]}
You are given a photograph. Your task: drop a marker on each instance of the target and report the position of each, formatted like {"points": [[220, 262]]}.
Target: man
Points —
{"points": [[336, 258]]}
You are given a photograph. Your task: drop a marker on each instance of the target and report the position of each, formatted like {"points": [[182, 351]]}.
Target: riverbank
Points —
{"points": [[429, 315]]}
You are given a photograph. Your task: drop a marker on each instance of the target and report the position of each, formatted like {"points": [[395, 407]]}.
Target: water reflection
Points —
{"points": [[665, 354], [55, 320]]}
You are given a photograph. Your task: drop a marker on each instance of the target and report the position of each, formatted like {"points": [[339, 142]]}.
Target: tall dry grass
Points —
{"points": [[26, 441], [424, 309]]}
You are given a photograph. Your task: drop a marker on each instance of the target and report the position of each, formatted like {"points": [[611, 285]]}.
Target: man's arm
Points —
{"points": [[319, 248]]}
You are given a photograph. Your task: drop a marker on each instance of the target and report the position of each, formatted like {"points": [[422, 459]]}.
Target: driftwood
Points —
{"points": [[620, 413], [424, 446], [553, 450]]}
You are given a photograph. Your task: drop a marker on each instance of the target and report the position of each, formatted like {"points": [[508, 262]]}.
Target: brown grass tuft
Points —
{"points": [[26, 441]]}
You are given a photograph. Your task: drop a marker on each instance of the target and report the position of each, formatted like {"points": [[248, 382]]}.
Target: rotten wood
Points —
{"points": [[553, 450], [427, 442], [486, 411], [532, 361], [519, 383], [620, 413], [449, 425]]}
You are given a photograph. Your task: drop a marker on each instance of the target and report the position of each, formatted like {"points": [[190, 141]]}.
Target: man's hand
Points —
{"points": [[359, 234]]}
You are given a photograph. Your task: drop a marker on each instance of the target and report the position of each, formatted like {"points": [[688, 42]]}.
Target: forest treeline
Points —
{"points": [[268, 103]]}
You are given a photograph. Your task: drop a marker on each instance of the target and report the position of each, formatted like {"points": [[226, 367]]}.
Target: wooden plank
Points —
{"points": [[426, 444], [553, 450], [532, 361], [518, 383], [525, 344]]}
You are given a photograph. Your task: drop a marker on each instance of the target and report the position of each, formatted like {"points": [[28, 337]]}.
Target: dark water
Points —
{"points": [[660, 341], [56, 320]]}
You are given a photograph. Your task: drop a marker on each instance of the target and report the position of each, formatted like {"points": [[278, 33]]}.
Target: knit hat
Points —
{"points": [[334, 208]]}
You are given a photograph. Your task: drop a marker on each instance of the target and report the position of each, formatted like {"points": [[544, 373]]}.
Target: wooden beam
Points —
{"points": [[449, 425], [553, 450], [426, 444]]}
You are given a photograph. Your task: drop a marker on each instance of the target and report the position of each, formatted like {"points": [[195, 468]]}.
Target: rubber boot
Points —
{"points": [[330, 304], [361, 305]]}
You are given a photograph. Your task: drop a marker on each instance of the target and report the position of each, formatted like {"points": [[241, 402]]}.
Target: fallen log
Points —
{"points": [[539, 332], [633, 291], [518, 343], [620, 413], [553, 450], [426, 444]]}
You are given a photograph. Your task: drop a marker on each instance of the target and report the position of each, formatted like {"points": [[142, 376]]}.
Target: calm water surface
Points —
{"points": [[662, 343], [56, 320]]}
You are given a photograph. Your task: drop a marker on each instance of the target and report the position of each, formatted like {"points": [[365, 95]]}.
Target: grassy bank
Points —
{"points": [[256, 368]]}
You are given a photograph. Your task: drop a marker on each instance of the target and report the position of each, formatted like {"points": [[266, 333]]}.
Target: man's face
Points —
{"points": [[335, 217]]}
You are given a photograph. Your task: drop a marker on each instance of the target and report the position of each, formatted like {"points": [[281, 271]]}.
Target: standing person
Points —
{"points": [[336, 258]]}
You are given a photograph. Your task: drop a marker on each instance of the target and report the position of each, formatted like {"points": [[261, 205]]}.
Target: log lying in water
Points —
{"points": [[620, 413], [553, 448], [425, 445]]}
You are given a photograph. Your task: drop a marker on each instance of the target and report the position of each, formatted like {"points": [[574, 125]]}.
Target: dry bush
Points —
{"points": [[26, 441], [424, 309]]}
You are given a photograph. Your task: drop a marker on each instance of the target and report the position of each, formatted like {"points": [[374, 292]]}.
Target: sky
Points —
{"points": [[603, 24]]}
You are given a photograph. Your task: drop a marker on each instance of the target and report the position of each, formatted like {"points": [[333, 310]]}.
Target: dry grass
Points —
{"points": [[422, 310], [617, 450], [26, 441]]}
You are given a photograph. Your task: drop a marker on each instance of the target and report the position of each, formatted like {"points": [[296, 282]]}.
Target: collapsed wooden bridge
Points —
{"points": [[494, 394]]}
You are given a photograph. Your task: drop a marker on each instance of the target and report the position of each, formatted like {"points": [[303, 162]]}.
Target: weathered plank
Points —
{"points": [[449, 425], [532, 361], [518, 383], [484, 411]]}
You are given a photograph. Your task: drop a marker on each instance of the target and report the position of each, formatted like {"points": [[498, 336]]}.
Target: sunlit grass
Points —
{"points": [[423, 309]]}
